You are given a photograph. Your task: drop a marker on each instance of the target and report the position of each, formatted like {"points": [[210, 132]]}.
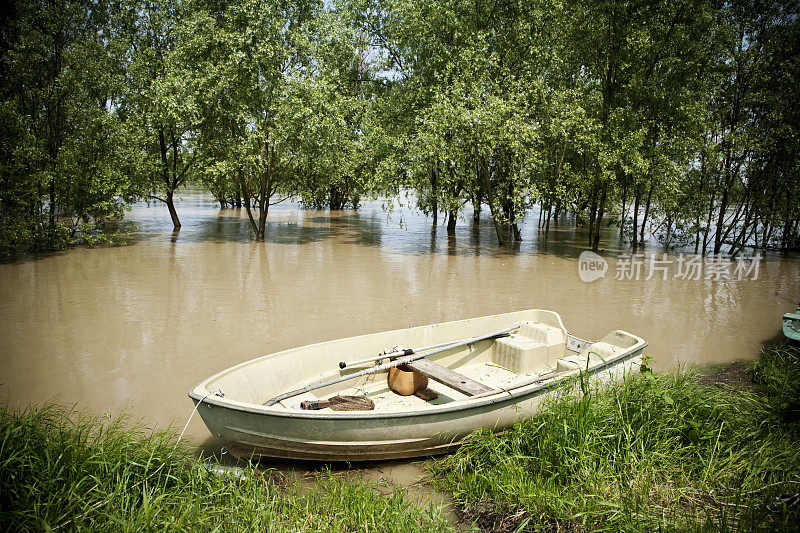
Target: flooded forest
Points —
{"points": [[675, 123]]}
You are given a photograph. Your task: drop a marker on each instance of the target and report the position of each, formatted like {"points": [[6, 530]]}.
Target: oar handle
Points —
{"points": [[396, 353], [399, 353]]}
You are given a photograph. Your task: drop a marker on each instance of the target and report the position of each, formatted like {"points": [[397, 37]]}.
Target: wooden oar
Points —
{"points": [[387, 366]]}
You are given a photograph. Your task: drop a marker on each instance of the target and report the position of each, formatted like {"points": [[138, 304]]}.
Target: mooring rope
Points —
{"points": [[215, 392]]}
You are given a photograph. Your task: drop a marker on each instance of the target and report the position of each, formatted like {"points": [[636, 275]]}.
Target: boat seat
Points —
{"points": [[533, 347], [450, 378], [595, 354]]}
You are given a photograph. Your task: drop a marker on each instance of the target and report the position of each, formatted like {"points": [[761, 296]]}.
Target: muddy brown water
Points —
{"points": [[134, 327]]}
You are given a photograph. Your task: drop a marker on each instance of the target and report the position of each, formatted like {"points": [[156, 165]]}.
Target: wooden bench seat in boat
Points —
{"points": [[445, 376]]}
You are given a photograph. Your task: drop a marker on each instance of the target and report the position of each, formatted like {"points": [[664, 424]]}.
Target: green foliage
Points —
{"points": [[656, 452], [778, 374], [83, 474], [336, 148], [62, 163], [161, 102], [676, 117], [259, 95]]}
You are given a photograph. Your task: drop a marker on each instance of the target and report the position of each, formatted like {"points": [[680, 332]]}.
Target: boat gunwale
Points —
{"points": [[458, 405], [236, 367]]}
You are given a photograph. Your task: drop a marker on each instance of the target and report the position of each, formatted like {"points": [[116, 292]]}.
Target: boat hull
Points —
{"points": [[367, 435], [791, 326]]}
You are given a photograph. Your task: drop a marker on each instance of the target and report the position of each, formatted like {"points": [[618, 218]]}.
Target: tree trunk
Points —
{"points": [[263, 198], [700, 195], [708, 220], [723, 205], [646, 213], [262, 220], [547, 221], [451, 223], [435, 198], [246, 196], [636, 202], [622, 215], [599, 219], [52, 203], [765, 235], [592, 215], [337, 198], [787, 225], [515, 231], [697, 235], [484, 170], [173, 214], [541, 214], [169, 184], [476, 207]]}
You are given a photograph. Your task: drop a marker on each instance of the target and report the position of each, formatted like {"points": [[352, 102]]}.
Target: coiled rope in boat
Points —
{"points": [[340, 403]]}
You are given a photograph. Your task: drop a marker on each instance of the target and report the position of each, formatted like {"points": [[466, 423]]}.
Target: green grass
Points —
{"points": [[93, 476], [658, 452], [778, 374]]}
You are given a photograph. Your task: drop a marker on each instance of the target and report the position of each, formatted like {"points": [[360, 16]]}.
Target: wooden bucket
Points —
{"points": [[405, 381]]}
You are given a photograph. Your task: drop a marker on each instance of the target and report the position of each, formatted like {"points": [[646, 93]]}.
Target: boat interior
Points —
{"points": [[539, 347]]}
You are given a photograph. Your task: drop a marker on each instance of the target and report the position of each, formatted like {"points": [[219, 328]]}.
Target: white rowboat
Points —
{"points": [[489, 382]]}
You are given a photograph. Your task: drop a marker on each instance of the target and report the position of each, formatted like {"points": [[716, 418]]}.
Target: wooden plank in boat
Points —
{"points": [[452, 379]]}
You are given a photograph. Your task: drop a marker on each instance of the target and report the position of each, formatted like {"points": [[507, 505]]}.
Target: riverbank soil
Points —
{"points": [[737, 375]]}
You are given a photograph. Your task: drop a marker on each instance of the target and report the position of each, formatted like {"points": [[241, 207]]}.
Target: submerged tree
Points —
{"points": [[677, 118], [335, 151], [63, 163], [260, 95], [161, 103]]}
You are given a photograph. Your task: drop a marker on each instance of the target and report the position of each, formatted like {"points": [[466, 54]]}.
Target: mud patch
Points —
{"points": [[489, 517], [737, 376]]}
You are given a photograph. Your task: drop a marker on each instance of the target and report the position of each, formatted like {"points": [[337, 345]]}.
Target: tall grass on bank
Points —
{"points": [[778, 374], [658, 452], [82, 474]]}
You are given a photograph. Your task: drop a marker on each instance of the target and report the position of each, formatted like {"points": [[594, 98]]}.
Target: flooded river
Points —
{"points": [[134, 327]]}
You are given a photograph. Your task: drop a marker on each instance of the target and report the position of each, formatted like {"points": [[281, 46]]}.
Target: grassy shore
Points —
{"points": [[56, 472], [661, 452], [666, 452]]}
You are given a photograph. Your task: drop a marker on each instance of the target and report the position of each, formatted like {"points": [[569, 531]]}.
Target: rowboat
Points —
{"points": [[482, 372], [791, 325]]}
